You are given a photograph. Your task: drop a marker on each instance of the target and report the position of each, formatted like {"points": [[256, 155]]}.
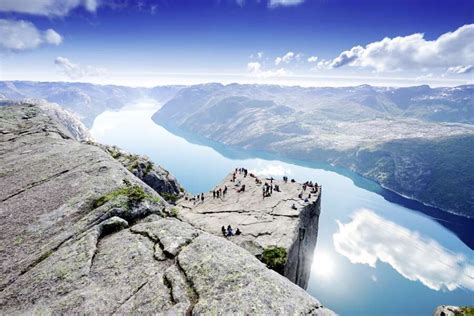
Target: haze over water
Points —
{"points": [[370, 252]]}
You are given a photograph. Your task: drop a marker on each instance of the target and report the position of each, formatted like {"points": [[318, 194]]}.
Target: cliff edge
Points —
{"points": [[277, 220], [82, 234]]}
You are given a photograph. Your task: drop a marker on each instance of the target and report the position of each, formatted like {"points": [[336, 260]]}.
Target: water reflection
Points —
{"points": [[369, 238]]}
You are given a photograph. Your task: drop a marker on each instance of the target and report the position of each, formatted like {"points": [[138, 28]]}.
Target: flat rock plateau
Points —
{"points": [[82, 234], [286, 218]]}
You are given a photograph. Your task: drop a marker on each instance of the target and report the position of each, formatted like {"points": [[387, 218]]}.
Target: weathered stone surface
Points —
{"points": [[159, 179], [283, 219], [229, 281], [63, 253], [171, 233]]}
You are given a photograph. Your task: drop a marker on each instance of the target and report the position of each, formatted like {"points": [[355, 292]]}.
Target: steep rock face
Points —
{"points": [[282, 219], [81, 234], [159, 179]]}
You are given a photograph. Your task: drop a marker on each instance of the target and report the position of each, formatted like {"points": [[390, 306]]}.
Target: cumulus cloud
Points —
{"points": [[287, 58], [76, 71], [461, 69], [312, 59], [19, 35], [47, 7], [369, 238], [284, 3], [272, 171], [412, 52], [255, 69]]}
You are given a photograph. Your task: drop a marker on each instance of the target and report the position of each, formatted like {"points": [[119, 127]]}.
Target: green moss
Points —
{"points": [[275, 258], [181, 189], [174, 212], [134, 194], [466, 310]]}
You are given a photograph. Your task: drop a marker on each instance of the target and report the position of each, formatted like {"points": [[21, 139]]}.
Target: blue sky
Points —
{"points": [[312, 42]]}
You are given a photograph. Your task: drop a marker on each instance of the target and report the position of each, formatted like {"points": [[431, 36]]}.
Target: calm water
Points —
{"points": [[372, 257]]}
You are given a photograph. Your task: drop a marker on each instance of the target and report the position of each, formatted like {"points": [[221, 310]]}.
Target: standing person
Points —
{"points": [[213, 194], [223, 231], [202, 197]]}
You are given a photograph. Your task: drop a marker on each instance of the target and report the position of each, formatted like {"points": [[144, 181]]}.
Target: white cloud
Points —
{"points": [[312, 59], [47, 7], [255, 69], [284, 3], [52, 37], [75, 71], [272, 170], [259, 55], [19, 35], [287, 58], [413, 52], [369, 238], [461, 69]]}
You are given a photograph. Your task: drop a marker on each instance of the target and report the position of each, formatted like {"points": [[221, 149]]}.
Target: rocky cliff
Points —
{"points": [[82, 234], [281, 228]]}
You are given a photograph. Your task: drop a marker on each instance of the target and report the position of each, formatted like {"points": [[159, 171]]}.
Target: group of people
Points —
{"points": [[229, 231], [196, 198], [219, 193], [311, 185], [285, 179]]}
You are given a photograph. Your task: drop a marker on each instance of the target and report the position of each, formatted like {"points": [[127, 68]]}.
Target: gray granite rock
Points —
{"points": [[83, 235]]}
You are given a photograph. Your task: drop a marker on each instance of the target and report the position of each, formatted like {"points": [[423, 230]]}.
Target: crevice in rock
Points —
{"points": [[156, 241], [168, 284], [36, 183], [258, 234], [285, 215], [130, 297], [227, 211], [192, 293]]}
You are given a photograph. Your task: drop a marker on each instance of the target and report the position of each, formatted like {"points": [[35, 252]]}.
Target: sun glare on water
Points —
{"points": [[323, 264]]}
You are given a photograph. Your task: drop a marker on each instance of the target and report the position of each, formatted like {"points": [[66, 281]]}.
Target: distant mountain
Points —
{"points": [[83, 99], [417, 141]]}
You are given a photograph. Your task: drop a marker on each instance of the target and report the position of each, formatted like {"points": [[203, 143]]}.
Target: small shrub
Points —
{"points": [[174, 212], [275, 258]]}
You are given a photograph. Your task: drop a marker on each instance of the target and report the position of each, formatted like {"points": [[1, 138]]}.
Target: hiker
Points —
{"points": [[223, 231], [277, 188], [202, 197], [293, 206], [225, 190], [293, 181], [230, 232], [238, 232], [300, 195], [213, 194]]}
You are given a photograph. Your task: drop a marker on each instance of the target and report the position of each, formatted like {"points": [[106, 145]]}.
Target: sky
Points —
{"points": [[288, 42]]}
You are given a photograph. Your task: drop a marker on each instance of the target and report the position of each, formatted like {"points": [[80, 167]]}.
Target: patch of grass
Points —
{"points": [[181, 189], [466, 310], [174, 212], [275, 258], [134, 194]]}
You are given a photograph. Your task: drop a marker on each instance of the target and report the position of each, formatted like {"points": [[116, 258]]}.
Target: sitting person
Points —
{"points": [[238, 232], [230, 232], [223, 231], [294, 206]]}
